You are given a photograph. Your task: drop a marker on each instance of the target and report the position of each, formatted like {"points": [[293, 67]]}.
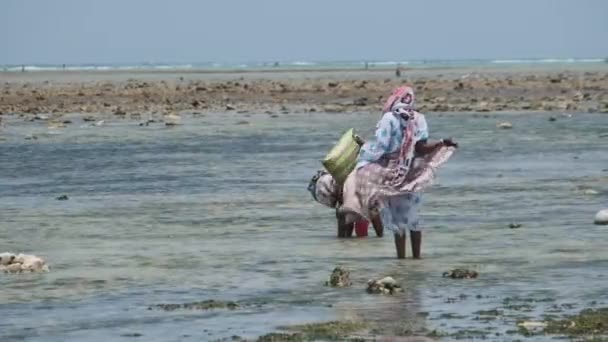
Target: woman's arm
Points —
{"points": [[425, 146], [379, 145]]}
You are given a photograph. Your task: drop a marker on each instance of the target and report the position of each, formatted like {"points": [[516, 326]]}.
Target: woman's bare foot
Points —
{"points": [[416, 237], [400, 245], [378, 227], [344, 230]]}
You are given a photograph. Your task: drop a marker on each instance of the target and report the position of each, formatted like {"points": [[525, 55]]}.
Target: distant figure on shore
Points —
{"points": [[276, 64], [366, 66], [23, 68], [64, 67], [398, 71]]}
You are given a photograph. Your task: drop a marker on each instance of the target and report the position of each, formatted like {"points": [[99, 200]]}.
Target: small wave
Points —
{"points": [[301, 63], [32, 68], [389, 63], [169, 66]]}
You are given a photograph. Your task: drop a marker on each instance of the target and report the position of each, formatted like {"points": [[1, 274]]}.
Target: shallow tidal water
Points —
{"points": [[217, 208]]}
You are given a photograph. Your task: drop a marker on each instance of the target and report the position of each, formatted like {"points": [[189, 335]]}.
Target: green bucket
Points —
{"points": [[342, 158]]}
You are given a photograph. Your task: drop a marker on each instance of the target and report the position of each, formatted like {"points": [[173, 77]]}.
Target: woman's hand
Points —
{"points": [[449, 142]]}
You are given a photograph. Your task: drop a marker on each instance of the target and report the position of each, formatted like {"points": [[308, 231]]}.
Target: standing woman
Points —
{"points": [[393, 168]]}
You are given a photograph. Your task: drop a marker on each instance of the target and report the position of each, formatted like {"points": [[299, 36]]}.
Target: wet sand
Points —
{"points": [[131, 94]]}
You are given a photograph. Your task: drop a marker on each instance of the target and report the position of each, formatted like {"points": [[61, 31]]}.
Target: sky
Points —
{"points": [[187, 31]]}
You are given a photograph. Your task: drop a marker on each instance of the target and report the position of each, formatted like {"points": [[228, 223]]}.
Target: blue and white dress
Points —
{"points": [[398, 213]]}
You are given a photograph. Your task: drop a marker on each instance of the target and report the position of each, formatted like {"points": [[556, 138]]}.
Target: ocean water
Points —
{"points": [[295, 65], [218, 209]]}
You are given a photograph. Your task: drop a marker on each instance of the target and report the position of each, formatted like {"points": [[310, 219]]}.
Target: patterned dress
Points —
{"points": [[388, 176]]}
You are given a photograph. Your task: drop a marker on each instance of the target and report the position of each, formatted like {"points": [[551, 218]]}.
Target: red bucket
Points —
{"points": [[361, 228]]}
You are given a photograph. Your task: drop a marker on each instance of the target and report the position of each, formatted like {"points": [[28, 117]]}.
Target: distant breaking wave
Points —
{"points": [[298, 64], [549, 60]]}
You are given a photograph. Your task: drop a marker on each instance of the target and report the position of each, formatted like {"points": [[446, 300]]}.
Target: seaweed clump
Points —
{"points": [[587, 322], [333, 331], [204, 305], [461, 273]]}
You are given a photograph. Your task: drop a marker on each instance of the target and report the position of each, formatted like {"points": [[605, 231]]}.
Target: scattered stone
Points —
{"points": [[590, 192], [55, 124], [230, 107], [449, 315], [552, 118], [386, 285], [88, 119], [41, 117], [11, 263], [99, 123], [132, 335], [148, 122], [242, 122], [204, 305], [461, 273], [172, 119], [7, 258], [601, 217], [333, 108], [493, 313], [514, 225], [62, 198], [505, 125], [31, 137], [362, 101], [67, 122], [340, 277], [119, 111]]}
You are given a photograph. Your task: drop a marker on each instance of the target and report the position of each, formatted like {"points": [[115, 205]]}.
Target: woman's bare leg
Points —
{"points": [[416, 237], [344, 230], [349, 229], [400, 245], [377, 223]]}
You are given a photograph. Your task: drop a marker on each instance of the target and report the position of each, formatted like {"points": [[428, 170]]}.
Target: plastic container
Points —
{"points": [[341, 159], [361, 228]]}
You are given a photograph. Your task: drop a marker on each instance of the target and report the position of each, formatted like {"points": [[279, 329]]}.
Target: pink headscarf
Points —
{"points": [[403, 96], [401, 103]]}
